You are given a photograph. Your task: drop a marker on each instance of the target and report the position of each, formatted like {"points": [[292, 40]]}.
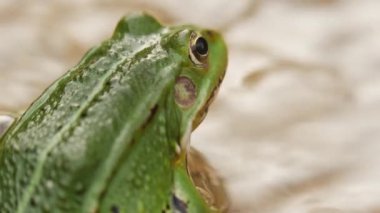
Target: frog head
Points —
{"points": [[203, 56]]}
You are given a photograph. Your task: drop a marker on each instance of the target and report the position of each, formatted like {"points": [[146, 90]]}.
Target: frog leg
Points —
{"points": [[207, 181], [198, 188], [6, 121], [185, 197]]}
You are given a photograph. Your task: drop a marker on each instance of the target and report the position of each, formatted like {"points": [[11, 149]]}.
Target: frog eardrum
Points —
{"points": [[185, 92]]}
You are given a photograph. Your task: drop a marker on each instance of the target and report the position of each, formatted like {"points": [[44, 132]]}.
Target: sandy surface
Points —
{"points": [[296, 126]]}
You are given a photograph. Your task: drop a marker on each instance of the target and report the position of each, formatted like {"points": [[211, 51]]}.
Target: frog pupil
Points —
{"points": [[201, 46]]}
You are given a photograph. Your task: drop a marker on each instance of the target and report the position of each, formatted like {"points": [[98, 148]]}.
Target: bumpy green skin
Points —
{"points": [[103, 137]]}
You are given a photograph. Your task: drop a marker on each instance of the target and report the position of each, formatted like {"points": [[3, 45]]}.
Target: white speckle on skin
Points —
{"points": [[49, 184]]}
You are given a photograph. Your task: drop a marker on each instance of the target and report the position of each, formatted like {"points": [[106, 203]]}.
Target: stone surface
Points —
{"points": [[296, 126]]}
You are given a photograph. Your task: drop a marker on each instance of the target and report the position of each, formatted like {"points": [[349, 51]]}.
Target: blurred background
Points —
{"points": [[296, 125]]}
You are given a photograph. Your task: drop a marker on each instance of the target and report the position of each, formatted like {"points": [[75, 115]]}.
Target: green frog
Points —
{"points": [[112, 134]]}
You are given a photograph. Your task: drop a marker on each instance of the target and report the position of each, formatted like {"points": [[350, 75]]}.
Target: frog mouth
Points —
{"points": [[201, 115]]}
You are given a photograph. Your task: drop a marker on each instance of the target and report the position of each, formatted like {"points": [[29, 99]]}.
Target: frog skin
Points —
{"points": [[111, 135]]}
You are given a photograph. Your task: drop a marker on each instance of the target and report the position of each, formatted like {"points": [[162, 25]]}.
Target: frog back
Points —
{"points": [[64, 148]]}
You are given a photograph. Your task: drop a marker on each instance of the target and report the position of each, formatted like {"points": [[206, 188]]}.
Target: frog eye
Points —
{"points": [[198, 50]]}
